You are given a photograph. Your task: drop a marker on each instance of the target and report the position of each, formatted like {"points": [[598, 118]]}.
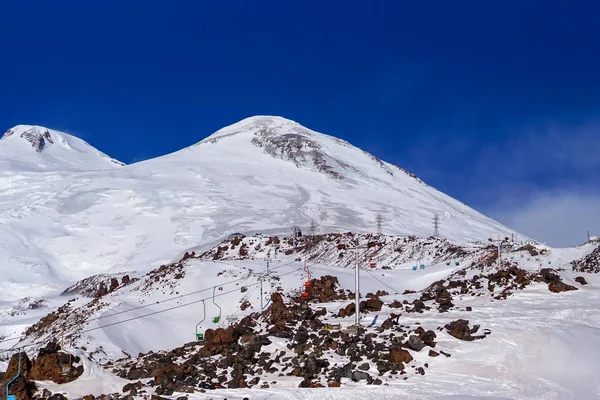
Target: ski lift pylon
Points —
{"points": [[200, 335], [14, 397]]}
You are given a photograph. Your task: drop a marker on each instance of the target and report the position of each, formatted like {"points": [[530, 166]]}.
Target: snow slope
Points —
{"points": [[87, 214], [36, 148], [542, 344]]}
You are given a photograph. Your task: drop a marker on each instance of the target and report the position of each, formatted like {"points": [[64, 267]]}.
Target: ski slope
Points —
{"points": [[542, 344]]}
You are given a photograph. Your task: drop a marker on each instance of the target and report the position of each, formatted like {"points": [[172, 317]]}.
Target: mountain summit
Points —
{"points": [[287, 140], [27, 147]]}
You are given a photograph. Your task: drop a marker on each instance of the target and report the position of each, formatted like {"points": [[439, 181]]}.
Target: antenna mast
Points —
{"points": [[379, 223]]}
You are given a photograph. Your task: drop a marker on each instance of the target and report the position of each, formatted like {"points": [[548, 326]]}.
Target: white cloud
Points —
{"points": [[559, 219]]}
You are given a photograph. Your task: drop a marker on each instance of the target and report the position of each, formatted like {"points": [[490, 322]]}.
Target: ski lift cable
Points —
{"points": [[153, 304], [382, 282], [178, 296], [157, 312]]}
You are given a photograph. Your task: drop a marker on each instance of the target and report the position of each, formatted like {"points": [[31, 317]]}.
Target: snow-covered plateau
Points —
{"points": [[128, 266]]}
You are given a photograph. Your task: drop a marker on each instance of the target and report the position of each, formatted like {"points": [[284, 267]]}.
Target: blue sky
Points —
{"points": [[494, 103]]}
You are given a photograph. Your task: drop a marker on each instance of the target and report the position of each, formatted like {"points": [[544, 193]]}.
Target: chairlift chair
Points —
{"points": [[457, 263], [447, 262], [200, 335], [414, 267], [217, 318], [65, 362], [422, 266]]}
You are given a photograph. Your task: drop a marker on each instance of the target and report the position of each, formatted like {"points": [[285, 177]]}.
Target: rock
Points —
{"points": [[559, 287], [414, 343], [373, 304], [460, 329], [399, 355], [360, 376], [334, 384], [364, 367], [131, 386], [428, 337], [306, 383], [581, 280], [446, 354], [433, 353], [46, 393], [377, 382], [125, 280], [57, 396], [419, 306], [469, 308], [421, 371], [383, 367]]}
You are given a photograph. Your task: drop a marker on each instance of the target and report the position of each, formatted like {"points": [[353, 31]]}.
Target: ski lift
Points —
{"points": [[14, 397], [341, 246], [200, 336], [218, 318], [65, 362]]}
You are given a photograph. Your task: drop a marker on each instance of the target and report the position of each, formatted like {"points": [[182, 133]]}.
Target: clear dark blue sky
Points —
{"points": [[495, 103]]}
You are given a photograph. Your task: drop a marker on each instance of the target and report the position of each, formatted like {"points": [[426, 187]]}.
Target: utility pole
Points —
{"points": [[379, 223], [357, 287], [500, 243], [436, 225]]}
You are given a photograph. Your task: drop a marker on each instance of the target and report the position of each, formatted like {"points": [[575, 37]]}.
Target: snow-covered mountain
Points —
{"points": [[35, 148], [67, 211]]}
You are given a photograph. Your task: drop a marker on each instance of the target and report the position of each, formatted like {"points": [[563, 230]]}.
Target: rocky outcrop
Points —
{"points": [[460, 329], [589, 263], [22, 387]]}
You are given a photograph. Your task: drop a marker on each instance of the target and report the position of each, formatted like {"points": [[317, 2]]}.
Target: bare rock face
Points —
{"points": [[38, 139]]}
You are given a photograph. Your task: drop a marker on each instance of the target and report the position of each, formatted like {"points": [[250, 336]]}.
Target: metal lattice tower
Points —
{"points": [[379, 223], [436, 225], [313, 227]]}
